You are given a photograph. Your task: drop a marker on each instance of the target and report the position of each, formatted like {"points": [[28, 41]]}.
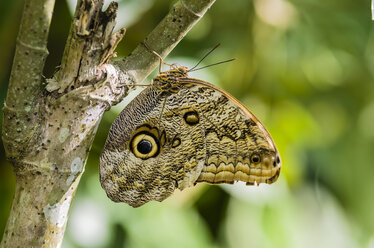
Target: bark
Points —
{"points": [[49, 126]]}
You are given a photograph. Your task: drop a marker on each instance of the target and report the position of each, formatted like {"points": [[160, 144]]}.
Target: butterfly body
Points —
{"points": [[180, 131]]}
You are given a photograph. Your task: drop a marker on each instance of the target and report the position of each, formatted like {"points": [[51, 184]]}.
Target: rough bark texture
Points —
{"points": [[49, 126]]}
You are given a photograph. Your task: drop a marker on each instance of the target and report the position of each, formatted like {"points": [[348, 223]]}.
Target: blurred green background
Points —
{"points": [[305, 68]]}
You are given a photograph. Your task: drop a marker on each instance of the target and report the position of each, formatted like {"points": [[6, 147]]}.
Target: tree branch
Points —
{"points": [[169, 32], [49, 150], [26, 76]]}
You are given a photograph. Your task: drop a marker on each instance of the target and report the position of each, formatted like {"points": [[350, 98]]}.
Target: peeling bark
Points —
{"points": [[49, 127]]}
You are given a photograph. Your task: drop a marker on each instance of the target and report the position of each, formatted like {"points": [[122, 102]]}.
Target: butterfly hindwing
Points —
{"points": [[238, 146]]}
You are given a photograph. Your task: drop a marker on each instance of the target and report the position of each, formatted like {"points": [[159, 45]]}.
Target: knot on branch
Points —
{"points": [[91, 44], [109, 88]]}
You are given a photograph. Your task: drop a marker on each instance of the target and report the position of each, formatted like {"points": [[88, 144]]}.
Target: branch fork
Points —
{"points": [[48, 130]]}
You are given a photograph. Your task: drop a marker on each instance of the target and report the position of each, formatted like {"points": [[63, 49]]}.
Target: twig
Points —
{"points": [[169, 32]]}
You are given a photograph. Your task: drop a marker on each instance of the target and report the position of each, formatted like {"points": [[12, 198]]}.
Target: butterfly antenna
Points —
{"points": [[229, 60], [158, 55], [206, 55]]}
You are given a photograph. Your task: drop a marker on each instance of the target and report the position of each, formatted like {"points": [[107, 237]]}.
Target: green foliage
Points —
{"points": [[305, 68]]}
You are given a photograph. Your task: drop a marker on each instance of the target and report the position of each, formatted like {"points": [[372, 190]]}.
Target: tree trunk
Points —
{"points": [[49, 125]]}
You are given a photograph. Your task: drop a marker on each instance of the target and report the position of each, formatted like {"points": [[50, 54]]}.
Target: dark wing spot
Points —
{"points": [[191, 118], [144, 147], [176, 142], [255, 158]]}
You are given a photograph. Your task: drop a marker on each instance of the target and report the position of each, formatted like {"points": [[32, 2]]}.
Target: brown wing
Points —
{"points": [[154, 146], [239, 148], [175, 137]]}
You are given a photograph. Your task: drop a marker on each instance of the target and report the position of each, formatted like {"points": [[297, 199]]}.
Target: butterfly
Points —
{"points": [[180, 131]]}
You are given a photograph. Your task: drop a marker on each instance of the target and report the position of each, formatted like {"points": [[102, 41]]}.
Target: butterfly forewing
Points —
{"points": [[152, 119]]}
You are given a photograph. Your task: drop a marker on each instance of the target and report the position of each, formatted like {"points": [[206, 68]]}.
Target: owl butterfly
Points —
{"points": [[181, 131]]}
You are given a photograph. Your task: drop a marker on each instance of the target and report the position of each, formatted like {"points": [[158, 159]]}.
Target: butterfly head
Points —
{"points": [[175, 72], [169, 81]]}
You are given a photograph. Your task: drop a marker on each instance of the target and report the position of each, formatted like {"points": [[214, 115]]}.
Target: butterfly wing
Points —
{"points": [[238, 147], [168, 138], [151, 150]]}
